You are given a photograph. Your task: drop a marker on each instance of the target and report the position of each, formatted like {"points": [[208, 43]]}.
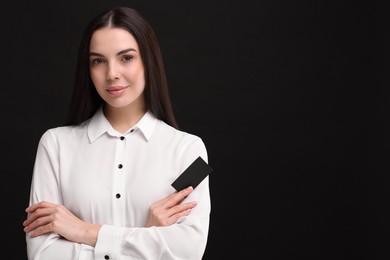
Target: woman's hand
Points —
{"points": [[45, 217], [167, 211]]}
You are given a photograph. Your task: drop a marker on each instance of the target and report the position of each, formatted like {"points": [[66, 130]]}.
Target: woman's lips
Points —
{"points": [[116, 90]]}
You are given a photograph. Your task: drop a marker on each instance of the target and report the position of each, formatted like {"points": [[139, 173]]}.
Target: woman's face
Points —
{"points": [[116, 68]]}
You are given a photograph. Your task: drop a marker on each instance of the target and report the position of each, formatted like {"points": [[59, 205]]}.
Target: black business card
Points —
{"points": [[193, 175]]}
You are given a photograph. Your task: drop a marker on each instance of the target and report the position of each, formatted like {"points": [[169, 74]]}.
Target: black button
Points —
{"points": [[106, 257], [117, 195], [122, 138], [132, 130], [120, 166]]}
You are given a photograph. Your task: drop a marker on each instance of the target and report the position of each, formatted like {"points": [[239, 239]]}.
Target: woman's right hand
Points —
{"points": [[168, 210]]}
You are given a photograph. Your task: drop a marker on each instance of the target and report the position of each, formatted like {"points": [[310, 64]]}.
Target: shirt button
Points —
{"points": [[106, 257], [117, 195], [132, 130], [120, 166], [122, 138]]}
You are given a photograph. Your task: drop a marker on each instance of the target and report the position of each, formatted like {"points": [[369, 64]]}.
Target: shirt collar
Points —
{"points": [[98, 125]]}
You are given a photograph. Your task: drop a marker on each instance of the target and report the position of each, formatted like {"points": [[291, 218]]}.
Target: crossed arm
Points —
{"points": [[46, 217]]}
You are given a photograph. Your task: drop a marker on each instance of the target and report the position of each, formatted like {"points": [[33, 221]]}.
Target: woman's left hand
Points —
{"points": [[45, 217], [170, 209]]}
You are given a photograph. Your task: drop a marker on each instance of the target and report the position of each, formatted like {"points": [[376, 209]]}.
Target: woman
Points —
{"points": [[101, 186]]}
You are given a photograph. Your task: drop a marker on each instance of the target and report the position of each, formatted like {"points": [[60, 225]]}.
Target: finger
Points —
{"points": [[178, 197], [174, 218], [38, 223], [38, 213], [41, 230], [181, 208], [173, 198], [185, 192], [42, 204]]}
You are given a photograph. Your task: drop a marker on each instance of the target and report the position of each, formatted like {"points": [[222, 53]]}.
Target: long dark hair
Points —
{"points": [[85, 99]]}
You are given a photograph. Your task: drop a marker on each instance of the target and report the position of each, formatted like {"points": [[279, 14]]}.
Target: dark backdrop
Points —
{"points": [[290, 97]]}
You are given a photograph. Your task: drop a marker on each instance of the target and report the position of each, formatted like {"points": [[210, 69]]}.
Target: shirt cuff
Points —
{"points": [[109, 242]]}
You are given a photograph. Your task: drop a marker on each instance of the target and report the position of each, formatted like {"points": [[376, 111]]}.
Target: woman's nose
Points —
{"points": [[112, 72]]}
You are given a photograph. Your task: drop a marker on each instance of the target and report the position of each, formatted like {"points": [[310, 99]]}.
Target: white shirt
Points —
{"points": [[105, 180]]}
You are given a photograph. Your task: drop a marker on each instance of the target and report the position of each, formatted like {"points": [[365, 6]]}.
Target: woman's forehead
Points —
{"points": [[112, 39]]}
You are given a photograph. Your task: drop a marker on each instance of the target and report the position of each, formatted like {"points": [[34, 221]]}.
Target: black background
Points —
{"points": [[290, 97]]}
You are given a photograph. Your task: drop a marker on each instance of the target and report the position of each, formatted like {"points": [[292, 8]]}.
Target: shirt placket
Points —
{"points": [[119, 181]]}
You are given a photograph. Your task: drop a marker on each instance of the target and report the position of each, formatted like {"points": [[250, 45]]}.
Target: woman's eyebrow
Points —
{"points": [[125, 51], [95, 54], [119, 53]]}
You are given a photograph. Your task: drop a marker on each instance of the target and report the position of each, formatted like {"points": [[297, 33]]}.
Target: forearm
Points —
{"points": [[49, 247], [90, 234], [160, 243]]}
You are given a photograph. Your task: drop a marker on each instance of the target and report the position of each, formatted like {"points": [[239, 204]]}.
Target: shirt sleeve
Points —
{"points": [[45, 187], [186, 239]]}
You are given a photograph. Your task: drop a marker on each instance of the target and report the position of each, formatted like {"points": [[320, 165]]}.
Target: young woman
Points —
{"points": [[101, 186]]}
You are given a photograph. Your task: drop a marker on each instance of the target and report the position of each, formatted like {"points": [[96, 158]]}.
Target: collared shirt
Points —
{"points": [[109, 178]]}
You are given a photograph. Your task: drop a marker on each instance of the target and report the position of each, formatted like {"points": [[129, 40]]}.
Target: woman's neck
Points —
{"points": [[123, 118]]}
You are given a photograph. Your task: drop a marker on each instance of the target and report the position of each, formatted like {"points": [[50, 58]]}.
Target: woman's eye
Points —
{"points": [[97, 61], [127, 58]]}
